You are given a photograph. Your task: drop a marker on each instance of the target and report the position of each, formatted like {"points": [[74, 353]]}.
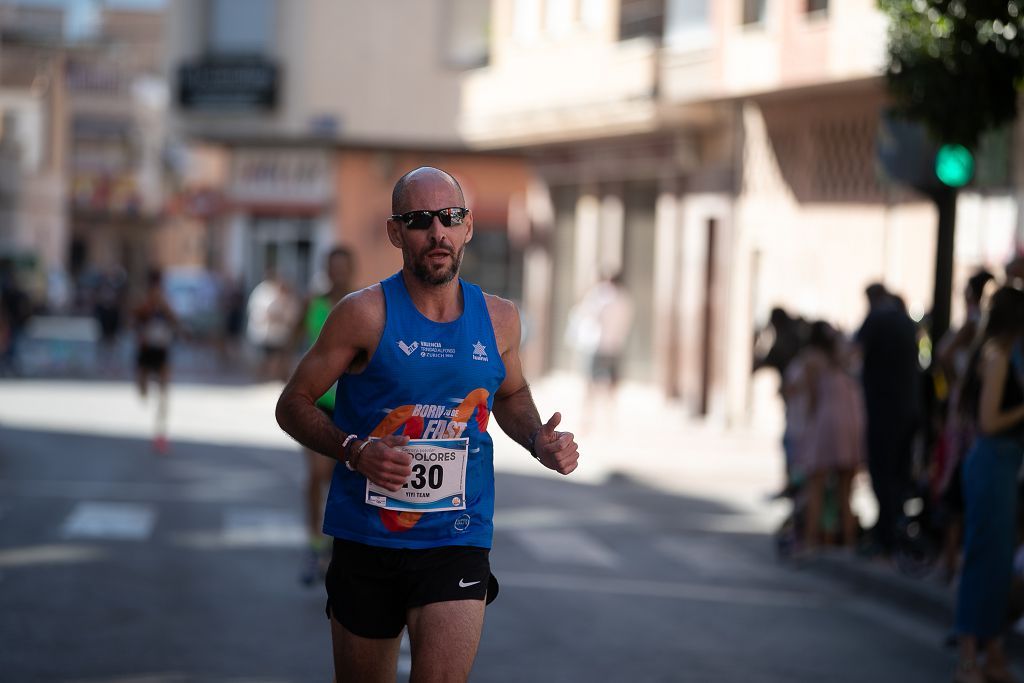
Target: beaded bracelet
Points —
{"points": [[344, 448], [357, 454]]}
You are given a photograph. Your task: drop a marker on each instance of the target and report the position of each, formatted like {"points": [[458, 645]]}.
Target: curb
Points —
{"points": [[920, 596]]}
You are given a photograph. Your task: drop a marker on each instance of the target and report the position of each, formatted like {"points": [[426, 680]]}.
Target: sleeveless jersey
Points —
{"points": [[426, 380], [318, 309]]}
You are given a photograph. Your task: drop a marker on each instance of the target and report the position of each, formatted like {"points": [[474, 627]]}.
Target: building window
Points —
{"points": [[240, 27], [592, 13], [526, 20], [466, 35], [687, 23], [558, 17], [641, 18], [754, 11], [817, 7]]}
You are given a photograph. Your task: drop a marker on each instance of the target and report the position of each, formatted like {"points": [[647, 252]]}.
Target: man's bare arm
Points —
{"points": [[328, 359], [992, 419], [352, 328], [513, 406]]}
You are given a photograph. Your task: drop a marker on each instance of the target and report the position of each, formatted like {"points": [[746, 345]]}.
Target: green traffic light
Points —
{"points": [[954, 165]]}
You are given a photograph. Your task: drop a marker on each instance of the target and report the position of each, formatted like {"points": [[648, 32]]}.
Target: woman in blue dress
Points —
{"points": [[993, 396]]}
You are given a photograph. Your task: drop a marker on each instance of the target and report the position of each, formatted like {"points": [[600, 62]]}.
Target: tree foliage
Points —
{"points": [[956, 65]]}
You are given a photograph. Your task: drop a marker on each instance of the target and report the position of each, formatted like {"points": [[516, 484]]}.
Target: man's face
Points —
{"points": [[434, 255], [338, 270]]}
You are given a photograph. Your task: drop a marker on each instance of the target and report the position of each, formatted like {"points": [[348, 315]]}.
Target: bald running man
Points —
{"points": [[422, 360]]}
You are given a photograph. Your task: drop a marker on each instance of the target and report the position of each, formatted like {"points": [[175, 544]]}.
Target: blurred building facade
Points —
{"points": [[316, 108], [721, 155], [83, 105]]}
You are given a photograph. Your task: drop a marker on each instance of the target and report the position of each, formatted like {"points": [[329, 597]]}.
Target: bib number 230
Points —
{"points": [[423, 476], [438, 480]]}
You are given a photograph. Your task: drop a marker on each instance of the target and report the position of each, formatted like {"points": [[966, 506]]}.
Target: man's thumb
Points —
{"points": [[552, 422]]}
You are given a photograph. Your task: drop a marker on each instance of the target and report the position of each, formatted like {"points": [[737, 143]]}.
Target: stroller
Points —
{"points": [[789, 536]]}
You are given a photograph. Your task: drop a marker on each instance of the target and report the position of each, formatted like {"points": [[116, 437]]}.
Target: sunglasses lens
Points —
{"points": [[418, 220], [450, 217], [422, 220]]}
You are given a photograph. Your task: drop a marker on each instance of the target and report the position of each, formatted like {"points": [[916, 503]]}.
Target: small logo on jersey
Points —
{"points": [[466, 584], [456, 500], [479, 352], [407, 349], [462, 523]]}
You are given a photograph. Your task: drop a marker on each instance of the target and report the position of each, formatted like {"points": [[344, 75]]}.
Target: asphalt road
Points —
{"points": [[120, 565]]}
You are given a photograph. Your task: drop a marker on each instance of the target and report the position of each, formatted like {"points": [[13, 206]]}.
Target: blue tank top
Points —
{"points": [[425, 380]]}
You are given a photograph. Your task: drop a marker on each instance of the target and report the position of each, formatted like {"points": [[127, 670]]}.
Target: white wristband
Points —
{"points": [[344, 444]]}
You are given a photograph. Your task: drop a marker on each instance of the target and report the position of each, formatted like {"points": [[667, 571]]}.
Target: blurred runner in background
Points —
{"points": [[319, 468], [155, 327]]}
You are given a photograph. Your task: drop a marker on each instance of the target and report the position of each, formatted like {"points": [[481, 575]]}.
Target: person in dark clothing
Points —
{"points": [[15, 312], [776, 346], [890, 377], [785, 337]]}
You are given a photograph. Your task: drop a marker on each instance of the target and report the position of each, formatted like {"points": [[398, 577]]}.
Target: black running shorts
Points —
{"points": [[151, 358], [370, 589]]}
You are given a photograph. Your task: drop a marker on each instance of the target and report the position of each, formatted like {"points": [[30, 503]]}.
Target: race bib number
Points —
{"points": [[438, 480]]}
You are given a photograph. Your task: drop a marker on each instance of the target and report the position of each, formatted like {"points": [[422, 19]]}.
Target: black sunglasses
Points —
{"points": [[421, 220]]}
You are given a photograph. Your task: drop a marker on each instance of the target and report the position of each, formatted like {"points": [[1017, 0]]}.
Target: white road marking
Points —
{"points": [[707, 556], [241, 485], [566, 546], [697, 592], [122, 521], [49, 554], [251, 527]]}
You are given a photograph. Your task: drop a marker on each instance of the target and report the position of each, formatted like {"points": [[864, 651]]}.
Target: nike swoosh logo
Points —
{"points": [[463, 584]]}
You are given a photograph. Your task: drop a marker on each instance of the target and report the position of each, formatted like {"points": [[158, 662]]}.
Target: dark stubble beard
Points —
{"points": [[423, 272]]}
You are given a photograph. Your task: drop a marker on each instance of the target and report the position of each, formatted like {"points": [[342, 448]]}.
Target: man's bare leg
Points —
{"points": [[141, 380], [160, 433], [444, 637], [363, 660]]}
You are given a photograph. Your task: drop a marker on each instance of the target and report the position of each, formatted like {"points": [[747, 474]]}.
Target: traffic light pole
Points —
{"points": [[945, 203]]}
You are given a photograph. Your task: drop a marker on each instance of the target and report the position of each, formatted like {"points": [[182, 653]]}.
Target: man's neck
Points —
{"points": [[440, 303]]}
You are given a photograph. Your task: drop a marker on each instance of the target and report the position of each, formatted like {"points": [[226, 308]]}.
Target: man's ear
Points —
{"points": [[394, 233], [469, 226]]}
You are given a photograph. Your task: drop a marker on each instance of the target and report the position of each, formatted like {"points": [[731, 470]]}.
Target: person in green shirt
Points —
{"points": [[319, 468]]}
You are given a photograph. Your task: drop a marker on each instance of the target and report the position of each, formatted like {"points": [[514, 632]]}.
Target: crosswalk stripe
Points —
{"points": [[121, 521], [708, 556], [64, 553], [264, 526], [566, 546], [250, 527]]}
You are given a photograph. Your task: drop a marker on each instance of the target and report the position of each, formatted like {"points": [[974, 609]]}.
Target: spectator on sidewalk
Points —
{"points": [[1015, 269], [993, 395], [599, 328], [953, 355], [777, 346], [890, 375], [832, 446], [273, 314], [107, 307], [231, 309], [15, 312]]}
